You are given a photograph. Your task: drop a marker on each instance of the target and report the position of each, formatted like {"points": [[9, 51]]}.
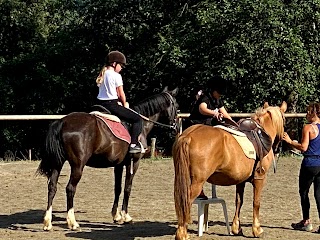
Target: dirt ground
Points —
{"points": [[23, 199]]}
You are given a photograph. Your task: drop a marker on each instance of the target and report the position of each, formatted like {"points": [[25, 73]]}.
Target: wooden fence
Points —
{"points": [[179, 117]]}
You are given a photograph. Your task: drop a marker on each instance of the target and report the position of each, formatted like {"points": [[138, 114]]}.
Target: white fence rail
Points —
{"points": [[180, 115], [179, 118], [30, 117]]}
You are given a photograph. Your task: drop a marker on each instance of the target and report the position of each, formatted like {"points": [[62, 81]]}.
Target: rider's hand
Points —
{"points": [[220, 116], [126, 105]]}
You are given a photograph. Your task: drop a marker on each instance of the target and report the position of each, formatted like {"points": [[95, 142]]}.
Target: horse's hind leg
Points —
{"points": [[76, 173], [52, 189], [236, 227]]}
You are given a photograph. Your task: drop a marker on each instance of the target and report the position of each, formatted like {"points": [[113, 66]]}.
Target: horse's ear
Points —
{"points": [[266, 105], [174, 92], [165, 89], [283, 106]]}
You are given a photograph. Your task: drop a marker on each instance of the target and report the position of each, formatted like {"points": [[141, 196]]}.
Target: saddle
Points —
{"points": [[261, 140], [100, 108], [104, 114]]}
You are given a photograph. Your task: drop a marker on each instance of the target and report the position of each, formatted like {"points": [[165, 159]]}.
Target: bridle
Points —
{"points": [[173, 112]]}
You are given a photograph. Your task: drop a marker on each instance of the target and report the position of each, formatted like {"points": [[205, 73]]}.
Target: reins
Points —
{"points": [[173, 126], [155, 122]]}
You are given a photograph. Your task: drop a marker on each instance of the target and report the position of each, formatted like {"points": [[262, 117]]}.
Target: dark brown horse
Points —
{"points": [[204, 153], [83, 139]]}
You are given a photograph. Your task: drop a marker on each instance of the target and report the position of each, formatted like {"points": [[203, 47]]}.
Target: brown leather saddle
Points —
{"points": [[261, 140]]}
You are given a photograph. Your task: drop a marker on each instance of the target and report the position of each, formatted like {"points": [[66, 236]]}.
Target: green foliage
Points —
{"points": [[51, 52]]}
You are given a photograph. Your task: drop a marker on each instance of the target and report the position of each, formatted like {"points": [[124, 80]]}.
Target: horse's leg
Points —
{"points": [[236, 227], [131, 170], [118, 171], [52, 189], [257, 190], [75, 176], [195, 189]]}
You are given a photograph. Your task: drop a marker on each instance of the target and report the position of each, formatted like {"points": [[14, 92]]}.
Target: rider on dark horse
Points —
{"points": [[112, 97]]}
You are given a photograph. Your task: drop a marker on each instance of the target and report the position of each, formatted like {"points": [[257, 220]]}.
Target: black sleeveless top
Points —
{"points": [[212, 103]]}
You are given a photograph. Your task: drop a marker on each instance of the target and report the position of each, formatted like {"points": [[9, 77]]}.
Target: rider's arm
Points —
{"points": [[204, 110], [121, 95], [224, 112]]}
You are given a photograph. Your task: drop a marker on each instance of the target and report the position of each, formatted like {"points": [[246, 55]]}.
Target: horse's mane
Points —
{"points": [[153, 104], [276, 116]]}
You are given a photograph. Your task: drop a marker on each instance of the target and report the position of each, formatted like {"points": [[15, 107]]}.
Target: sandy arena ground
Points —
{"points": [[23, 199]]}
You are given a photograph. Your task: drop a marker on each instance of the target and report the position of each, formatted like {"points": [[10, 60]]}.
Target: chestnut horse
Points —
{"points": [[204, 153], [83, 139]]}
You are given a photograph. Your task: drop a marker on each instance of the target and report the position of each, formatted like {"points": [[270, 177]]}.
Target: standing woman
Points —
{"points": [[111, 96], [310, 166]]}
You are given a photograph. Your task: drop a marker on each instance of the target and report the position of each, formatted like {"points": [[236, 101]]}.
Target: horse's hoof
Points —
{"points": [[129, 222], [77, 229], [47, 229], [239, 233], [261, 235], [119, 222]]}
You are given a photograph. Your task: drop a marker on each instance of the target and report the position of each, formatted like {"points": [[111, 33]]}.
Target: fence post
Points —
{"points": [[153, 147]]}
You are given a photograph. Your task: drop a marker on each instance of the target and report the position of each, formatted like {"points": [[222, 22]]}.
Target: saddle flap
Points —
{"points": [[260, 139], [116, 128]]}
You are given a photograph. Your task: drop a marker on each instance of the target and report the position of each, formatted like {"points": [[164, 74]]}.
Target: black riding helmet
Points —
{"points": [[116, 56], [219, 84]]}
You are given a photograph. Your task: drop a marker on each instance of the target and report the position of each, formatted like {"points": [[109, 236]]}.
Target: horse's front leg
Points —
{"points": [[131, 170], [258, 184], [236, 227], [118, 171], [75, 176]]}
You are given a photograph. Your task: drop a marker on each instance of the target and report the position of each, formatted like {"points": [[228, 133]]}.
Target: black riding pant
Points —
{"points": [[307, 176], [126, 115]]}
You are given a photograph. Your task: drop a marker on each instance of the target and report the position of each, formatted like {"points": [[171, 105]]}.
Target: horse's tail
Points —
{"points": [[182, 179], [54, 156]]}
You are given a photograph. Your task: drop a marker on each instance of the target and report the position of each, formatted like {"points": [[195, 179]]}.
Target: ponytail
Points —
{"points": [[100, 78]]}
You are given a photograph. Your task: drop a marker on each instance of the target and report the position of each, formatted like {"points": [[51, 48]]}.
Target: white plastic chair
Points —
{"points": [[203, 207]]}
